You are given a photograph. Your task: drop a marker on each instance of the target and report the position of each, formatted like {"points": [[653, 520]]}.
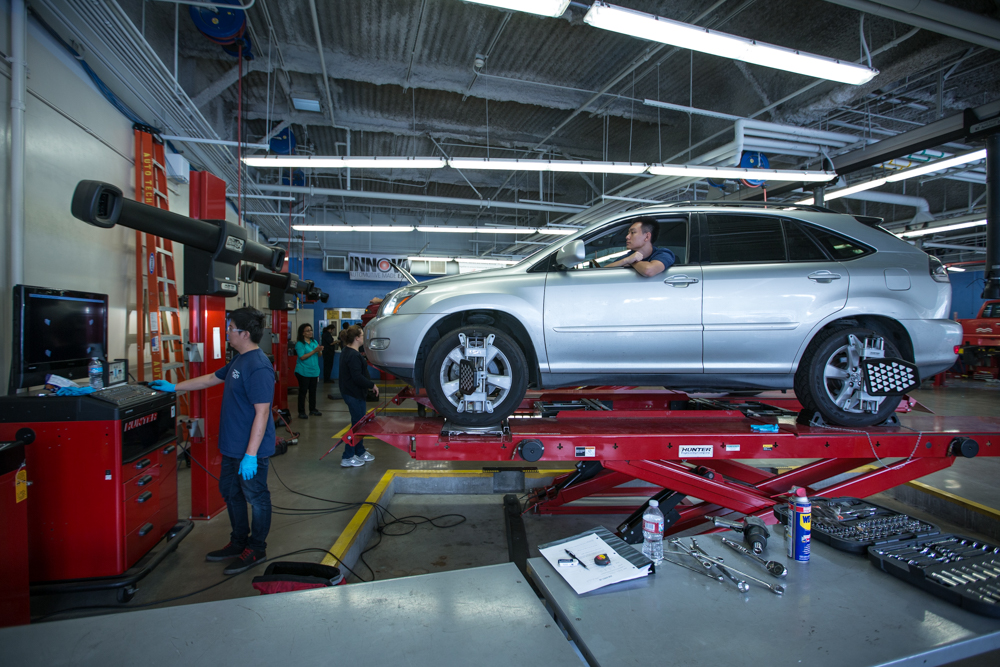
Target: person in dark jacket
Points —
{"points": [[329, 352], [354, 385]]}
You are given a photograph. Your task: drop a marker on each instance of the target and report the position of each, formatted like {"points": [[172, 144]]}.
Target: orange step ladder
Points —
{"points": [[158, 320]]}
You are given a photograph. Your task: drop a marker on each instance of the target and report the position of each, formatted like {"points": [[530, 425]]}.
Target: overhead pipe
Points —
{"points": [[991, 288], [322, 59], [942, 28], [946, 14], [18, 89], [392, 196], [923, 213]]}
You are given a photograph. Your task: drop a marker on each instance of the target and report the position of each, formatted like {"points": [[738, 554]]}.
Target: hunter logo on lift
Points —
{"points": [[140, 421]]}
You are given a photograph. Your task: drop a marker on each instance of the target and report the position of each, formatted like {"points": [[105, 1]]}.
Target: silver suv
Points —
{"points": [[760, 297]]}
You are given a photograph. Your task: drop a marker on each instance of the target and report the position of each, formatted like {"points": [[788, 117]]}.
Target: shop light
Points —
{"points": [[349, 228], [497, 230], [943, 228], [659, 29], [552, 8], [575, 166], [938, 165], [338, 162], [698, 171]]}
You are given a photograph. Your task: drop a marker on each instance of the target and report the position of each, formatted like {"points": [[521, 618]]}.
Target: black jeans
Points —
{"points": [[327, 367], [306, 385], [237, 492]]}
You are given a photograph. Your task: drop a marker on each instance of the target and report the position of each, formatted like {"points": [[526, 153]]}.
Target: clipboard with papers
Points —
{"points": [[626, 562]]}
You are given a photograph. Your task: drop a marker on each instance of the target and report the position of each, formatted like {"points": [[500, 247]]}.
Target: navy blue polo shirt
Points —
{"points": [[249, 380], [664, 255]]}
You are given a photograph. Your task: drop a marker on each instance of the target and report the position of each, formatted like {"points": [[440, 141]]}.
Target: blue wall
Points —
{"points": [[343, 291], [965, 290]]}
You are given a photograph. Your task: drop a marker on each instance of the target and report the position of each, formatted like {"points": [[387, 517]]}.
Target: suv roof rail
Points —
{"points": [[752, 204]]}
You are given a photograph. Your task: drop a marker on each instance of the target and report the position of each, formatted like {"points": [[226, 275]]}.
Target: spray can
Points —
{"points": [[798, 532]]}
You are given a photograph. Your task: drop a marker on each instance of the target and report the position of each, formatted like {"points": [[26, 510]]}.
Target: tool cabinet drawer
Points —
{"points": [[138, 542], [144, 481], [140, 466], [142, 506]]}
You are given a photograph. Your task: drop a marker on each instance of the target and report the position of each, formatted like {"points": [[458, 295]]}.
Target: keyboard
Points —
{"points": [[124, 393]]}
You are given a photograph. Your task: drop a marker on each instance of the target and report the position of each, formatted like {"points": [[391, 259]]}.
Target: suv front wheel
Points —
{"points": [[830, 380], [476, 375]]}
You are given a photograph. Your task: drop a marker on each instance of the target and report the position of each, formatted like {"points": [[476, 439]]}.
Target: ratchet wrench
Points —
{"points": [[741, 585], [773, 567], [777, 589]]}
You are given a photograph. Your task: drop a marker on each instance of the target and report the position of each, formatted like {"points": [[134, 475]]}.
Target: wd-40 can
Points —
{"points": [[798, 532]]}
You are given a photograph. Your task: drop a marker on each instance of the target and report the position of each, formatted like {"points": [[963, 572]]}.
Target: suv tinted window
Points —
{"points": [[801, 246], [734, 239], [838, 246], [608, 244]]}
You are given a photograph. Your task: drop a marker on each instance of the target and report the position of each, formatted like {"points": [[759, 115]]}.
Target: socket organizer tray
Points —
{"points": [[853, 525], [955, 568]]}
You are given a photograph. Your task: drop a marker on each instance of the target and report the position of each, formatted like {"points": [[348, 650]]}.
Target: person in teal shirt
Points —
{"points": [[307, 367]]}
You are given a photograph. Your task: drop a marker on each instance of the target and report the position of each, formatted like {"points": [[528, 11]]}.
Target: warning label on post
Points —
{"points": [[696, 451]]}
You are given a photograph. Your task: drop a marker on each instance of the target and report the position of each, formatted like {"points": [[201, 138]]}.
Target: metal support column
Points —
{"points": [[991, 287]]}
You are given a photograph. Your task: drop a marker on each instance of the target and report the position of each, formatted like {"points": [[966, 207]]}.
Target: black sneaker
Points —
{"points": [[247, 559], [316, 413], [225, 553], [303, 415]]}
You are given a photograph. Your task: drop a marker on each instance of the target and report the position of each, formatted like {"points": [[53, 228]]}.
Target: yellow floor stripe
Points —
{"points": [[958, 500]]}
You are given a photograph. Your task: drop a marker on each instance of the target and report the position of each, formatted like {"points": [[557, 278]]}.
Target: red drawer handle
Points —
{"points": [[144, 480], [167, 450], [145, 530], [144, 497], [142, 464]]}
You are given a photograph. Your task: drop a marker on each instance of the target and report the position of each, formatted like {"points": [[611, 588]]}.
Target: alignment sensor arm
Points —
{"points": [[103, 205]]}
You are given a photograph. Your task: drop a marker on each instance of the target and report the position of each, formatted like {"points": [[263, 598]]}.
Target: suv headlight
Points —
{"points": [[396, 300]]}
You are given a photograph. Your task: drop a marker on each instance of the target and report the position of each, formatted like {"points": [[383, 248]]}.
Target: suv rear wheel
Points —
{"points": [[476, 375], [830, 380]]}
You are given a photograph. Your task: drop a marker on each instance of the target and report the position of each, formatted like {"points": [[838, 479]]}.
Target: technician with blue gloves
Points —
{"points": [[246, 438]]}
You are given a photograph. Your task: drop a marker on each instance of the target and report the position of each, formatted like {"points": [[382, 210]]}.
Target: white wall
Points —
{"points": [[72, 133]]}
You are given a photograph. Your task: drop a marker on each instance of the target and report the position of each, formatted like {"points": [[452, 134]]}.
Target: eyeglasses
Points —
{"points": [[230, 327]]}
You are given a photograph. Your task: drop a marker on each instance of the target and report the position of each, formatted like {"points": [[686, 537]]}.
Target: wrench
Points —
{"points": [[773, 567], [777, 589], [741, 586], [689, 552], [694, 569]]}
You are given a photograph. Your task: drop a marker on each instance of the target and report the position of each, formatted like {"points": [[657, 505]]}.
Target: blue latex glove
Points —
{"points": [[248, 466], [162, 385], [75, 391]]}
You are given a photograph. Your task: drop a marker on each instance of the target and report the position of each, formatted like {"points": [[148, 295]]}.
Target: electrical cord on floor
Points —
{"points": [[186, 595]]}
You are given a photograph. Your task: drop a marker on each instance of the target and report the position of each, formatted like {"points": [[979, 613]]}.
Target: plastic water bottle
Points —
{"points": [[652, 532], [95, 369]]}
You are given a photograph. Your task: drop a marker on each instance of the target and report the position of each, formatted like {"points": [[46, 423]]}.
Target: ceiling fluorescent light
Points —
{"points": [[304, 104], [498, 230], [686, 36], [939, 165], [348, 228], [335, 162], [576, 166], [698, 171], [551, 8], [943, 228], [269, 197], [860, 187]]}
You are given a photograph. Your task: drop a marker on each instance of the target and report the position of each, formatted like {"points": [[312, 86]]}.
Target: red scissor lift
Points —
{"points": [[685, 448]]}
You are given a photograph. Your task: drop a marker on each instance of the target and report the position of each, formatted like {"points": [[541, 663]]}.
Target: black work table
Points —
{"points": [[837, 610]]}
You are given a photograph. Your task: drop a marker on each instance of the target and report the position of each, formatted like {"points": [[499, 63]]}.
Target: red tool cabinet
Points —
{"points": [[104, 481]]}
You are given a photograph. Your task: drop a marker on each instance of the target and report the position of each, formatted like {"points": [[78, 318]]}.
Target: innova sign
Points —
{"points": [[363, 266]]}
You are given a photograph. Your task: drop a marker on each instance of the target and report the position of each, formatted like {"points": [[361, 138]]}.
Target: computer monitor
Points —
{"points": [[55, 331]]}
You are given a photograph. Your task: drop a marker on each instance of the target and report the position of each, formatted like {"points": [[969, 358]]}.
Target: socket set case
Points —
{"points": [[854, 525], [955, 568]]}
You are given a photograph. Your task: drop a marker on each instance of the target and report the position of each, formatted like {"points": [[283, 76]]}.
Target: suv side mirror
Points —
{"points": [[571, 254]]}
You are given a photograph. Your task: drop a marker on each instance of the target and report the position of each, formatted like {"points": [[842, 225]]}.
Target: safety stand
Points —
{"points": [[695, 449]]}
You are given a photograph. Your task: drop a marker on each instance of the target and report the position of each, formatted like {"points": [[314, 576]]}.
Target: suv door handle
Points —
{"points": [[823, 276], [682, 281]]}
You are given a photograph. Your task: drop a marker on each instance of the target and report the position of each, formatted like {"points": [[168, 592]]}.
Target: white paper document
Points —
{"points": [[593, 576]]}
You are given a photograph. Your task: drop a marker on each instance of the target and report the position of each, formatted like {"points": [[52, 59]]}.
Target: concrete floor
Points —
{"points": [[478, 541]]}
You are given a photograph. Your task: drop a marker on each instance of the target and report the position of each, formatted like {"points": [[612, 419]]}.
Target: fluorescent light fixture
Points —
{"points": [[943, 228], [686, 36], [939, 165], [860, 187], [491, 262], [269, 197], [420, 258], [336, 162], [698, 171], [576, 166], [349, 228], [551, 8], [303, 104], [497, 230], [957, 269]]}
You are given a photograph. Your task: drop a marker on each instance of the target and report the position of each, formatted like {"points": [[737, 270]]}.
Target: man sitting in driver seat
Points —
{"points": [[645, 258]]}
